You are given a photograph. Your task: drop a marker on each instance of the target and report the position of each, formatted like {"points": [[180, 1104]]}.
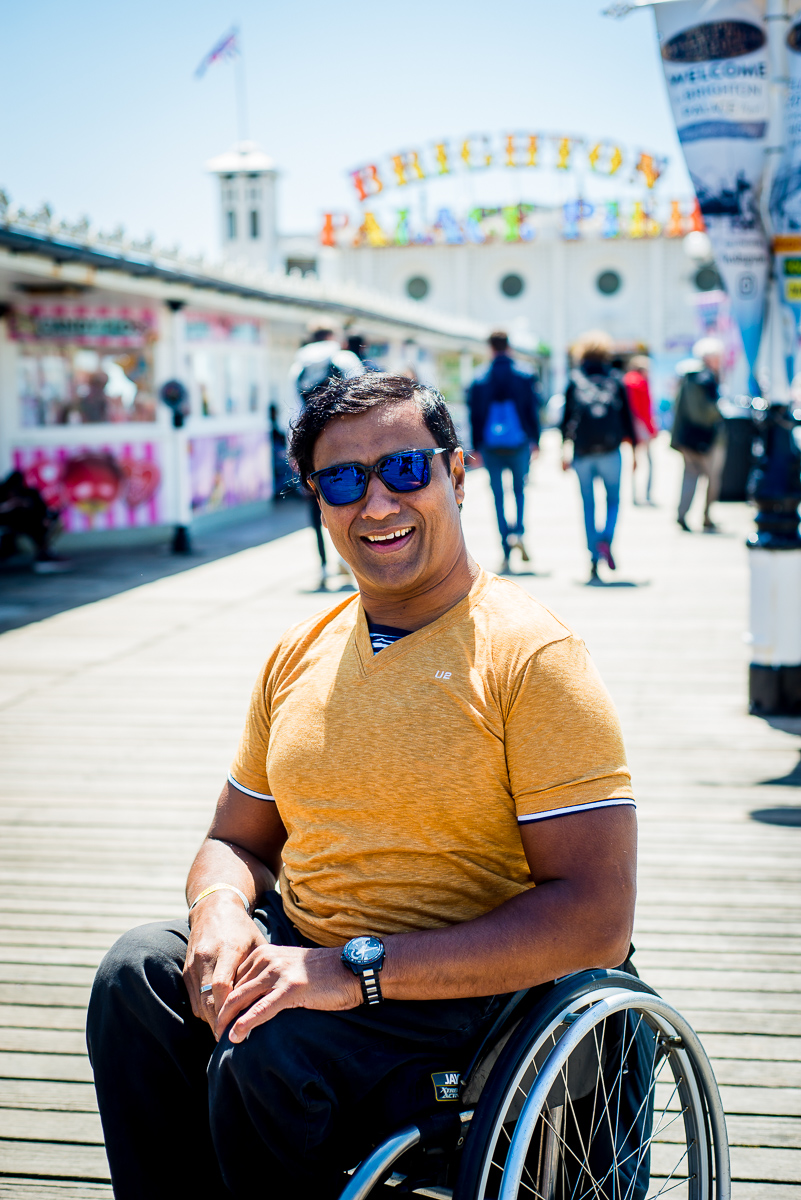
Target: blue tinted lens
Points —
{"points": [[406, 472], [342, 485]]}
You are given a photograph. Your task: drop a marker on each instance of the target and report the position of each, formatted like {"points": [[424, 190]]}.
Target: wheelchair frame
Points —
{"points": [[523, 1063]]}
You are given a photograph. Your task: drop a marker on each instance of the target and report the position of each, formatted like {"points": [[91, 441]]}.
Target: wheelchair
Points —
{"points": [[591, 1088]]}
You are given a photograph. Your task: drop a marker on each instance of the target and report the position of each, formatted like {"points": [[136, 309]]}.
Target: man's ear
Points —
{"points": [[458, 473]]}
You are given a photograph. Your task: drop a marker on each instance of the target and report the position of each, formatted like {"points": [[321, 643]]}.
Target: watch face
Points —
{"points": [[364, 950]]}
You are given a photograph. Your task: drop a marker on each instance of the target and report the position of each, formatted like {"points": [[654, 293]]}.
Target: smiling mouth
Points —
{"points": [[383, 542]]}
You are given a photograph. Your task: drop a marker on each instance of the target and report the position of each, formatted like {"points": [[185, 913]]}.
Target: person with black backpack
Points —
{"points": [[504, 417], [317, 363], [596, 420]]}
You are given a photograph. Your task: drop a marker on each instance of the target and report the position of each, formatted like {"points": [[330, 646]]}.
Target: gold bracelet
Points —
{"points": [[220, 887]]}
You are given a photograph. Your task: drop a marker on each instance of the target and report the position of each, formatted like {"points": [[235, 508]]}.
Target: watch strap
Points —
{"points": [[371, 987]]}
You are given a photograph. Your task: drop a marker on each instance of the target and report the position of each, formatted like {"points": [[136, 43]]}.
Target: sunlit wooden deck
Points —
{"points": [[119, 719]]}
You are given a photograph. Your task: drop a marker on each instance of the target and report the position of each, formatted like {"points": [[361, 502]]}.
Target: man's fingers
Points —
{"points": [[222, 981], [208, 1009], [239, 998], [255, 964], [192, 988], [258, 1014]]}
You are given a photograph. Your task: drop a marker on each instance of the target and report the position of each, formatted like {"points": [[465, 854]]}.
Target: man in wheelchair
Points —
{"points": [[433, 775]]}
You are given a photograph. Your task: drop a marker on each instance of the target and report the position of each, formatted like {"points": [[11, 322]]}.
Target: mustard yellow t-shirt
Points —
{"points": [[401, 777]]}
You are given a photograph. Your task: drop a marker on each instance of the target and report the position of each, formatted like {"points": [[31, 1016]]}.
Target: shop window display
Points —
{"points": [[82, 385]]}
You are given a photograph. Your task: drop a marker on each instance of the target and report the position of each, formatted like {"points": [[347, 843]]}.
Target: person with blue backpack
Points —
{"points": [[596, 420], [504, 405]]}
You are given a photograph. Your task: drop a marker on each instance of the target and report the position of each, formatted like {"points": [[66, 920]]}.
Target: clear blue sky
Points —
{"points": [[102, 115]]}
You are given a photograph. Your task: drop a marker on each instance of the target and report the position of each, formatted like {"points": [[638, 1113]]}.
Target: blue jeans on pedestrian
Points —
{"points": [[517, 461], [607, 468]]}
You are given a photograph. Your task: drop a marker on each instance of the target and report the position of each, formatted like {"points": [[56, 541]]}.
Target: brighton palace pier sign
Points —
{"points": [[511, 223]]}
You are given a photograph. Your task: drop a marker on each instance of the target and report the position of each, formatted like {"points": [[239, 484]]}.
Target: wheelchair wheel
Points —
{"points": [[605, 1093]]}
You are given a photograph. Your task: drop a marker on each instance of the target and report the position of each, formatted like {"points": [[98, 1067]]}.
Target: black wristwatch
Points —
{"points": [[365, 957]]}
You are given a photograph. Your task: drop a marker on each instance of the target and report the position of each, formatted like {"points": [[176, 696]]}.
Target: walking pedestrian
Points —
{"points": [[504, 418], [282, 475], [596, 420], [698, 431], [645, 426], [316, 364]]}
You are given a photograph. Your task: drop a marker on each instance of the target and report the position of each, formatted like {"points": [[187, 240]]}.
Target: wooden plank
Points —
{"points": [[22, 1016], [59, 1160], [39, 995], [705, 1021], [46, 956], [47, 1095], [761, 1101], [736, 1000], [750, 1046], [765, 1191], [700, 942], [26, 1188], [43, 1041], [37, 1126], [758, 1074], [73, 1068], [83, 939], [764, 1165], [77, 977], [764, 1131]]}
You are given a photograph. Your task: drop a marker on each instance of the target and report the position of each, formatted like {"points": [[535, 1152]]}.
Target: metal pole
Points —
{"points": [[241, 91], [777, 18]]}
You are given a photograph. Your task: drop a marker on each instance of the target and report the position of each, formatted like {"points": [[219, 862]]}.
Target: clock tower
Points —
{"points": [[248, 229]]}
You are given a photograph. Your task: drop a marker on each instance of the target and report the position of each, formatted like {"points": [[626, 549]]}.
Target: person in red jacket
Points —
{"points": [[642, 411]]}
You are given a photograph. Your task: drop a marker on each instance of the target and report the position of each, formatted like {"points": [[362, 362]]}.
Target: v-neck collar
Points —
{"points": [[370, 662]]}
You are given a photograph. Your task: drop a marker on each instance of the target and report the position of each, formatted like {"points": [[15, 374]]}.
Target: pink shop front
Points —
{"points": [[79, 413]]}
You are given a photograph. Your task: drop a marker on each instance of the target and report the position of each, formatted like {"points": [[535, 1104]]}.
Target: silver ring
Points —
{"points": [[206, 988]]}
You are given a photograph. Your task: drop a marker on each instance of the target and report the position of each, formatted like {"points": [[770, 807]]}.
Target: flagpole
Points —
{"points": [[241, 92]]}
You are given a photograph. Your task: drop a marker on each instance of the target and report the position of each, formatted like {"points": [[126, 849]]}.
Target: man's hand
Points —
{"points": [[222, 938], [275, 977]]}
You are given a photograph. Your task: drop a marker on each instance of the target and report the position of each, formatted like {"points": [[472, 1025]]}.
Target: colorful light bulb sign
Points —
{"points": [[513, 223], [510, 150]]}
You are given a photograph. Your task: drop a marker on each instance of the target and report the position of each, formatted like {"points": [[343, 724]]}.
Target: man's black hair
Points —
{"points": [[348, 397]]}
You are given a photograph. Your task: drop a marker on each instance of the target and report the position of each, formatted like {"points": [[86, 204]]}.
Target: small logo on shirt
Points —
{"points": [[446, 1085], [443, 675]]}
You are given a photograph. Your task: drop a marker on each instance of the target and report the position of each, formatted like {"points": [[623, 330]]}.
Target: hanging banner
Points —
{"points": [[785, 204], [714, 54]]}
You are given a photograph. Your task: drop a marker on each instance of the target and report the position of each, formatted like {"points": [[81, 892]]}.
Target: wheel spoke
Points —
{"points": [[628, 1126]]}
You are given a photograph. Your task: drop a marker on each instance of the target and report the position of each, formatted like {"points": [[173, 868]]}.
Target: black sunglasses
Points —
{"points": [[405, 471]]}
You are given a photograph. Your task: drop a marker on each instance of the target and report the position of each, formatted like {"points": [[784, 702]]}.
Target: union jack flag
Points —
{"points": [[226, 49]]}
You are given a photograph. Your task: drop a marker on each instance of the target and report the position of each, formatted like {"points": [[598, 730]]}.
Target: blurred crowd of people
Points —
{"points": [[607, 402]]}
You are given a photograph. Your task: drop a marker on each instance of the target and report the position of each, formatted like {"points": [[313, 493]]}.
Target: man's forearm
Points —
{"points": [[225, 862], [532, 939]]}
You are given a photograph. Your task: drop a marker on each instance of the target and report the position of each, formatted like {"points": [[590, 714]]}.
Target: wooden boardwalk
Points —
{"points": [[119, 720]]}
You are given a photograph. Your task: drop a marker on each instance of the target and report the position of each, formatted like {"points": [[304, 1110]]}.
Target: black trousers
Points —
{"points": [[283, 1113]]}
